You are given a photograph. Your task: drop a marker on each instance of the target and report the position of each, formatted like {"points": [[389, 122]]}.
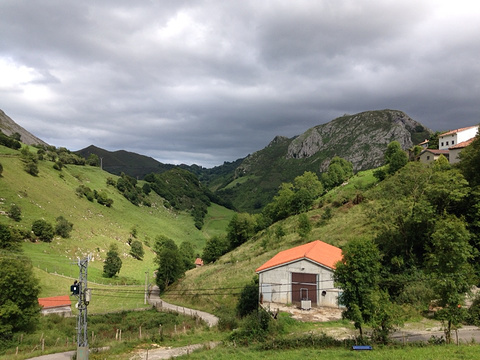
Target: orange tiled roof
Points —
{"points": [[457, 130], [318, 251], [435, 151], [55, 301], [462, 144], [198, 262]]}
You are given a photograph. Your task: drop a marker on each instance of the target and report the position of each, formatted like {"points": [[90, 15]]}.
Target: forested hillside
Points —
{"points": [[415, 235], [102, 209], [361, 139]]}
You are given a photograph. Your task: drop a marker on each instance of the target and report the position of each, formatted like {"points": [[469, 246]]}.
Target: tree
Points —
{"points": [[19, 291], [136, 250], [449, 264], [215, 247], [15, 212], [240, 229], [113, 263], [395, 157], [93, 160], [304, 226], [358, 275], [63, 227], [248, 301], [170, 264], [187, 253], [470, 162], [339, 170], [43, 230], [7, 239]]}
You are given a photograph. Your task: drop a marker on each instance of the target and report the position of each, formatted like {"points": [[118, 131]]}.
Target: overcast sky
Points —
{"points": [[211, 81]]}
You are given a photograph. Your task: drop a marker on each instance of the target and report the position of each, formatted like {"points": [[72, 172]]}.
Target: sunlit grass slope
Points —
{"points": [[95, 227]]}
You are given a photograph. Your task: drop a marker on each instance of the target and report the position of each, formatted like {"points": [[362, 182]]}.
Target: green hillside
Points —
{"points": [[53, 193], [361, 139], [224, 279]]}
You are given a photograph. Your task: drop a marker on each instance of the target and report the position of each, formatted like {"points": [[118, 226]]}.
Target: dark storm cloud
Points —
{"points": [[211, 81]]}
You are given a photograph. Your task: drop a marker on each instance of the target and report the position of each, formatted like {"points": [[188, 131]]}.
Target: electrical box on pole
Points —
{"points": [[83, 293]]}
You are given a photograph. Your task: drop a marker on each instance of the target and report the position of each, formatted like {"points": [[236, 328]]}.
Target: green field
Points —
{"points": [[95, 227], [442, 352]]}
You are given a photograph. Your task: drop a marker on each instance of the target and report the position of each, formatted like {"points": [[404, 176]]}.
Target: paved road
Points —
{"points": [[59, 356], [155, 300]]}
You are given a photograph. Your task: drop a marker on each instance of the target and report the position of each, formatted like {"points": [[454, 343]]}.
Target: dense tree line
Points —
{"points": [[427, 246]]}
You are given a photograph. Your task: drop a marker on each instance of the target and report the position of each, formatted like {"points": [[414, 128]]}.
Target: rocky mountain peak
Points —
{"points": [[361, 138]]}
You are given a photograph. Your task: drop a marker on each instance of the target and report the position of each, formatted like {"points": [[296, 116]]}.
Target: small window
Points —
{"points": [[428, 157], [442, 143], [446, 143], [453, 142]]}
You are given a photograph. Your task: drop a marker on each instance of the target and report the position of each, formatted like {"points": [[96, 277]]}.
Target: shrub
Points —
{"points": [[248, 301], [43, 230], [63, 227], [113, 263], [136, 250], [15, 212], [31, 168]]}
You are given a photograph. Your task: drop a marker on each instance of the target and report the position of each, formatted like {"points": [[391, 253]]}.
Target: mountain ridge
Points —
{"points": [[10, 127]]}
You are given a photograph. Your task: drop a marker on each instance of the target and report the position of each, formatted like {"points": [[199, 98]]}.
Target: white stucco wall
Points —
{"points": [[444, 142], [275, 285], [467, 134]]}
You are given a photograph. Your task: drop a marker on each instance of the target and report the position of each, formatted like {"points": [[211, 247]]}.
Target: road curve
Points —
{"points": [[154, 299]]}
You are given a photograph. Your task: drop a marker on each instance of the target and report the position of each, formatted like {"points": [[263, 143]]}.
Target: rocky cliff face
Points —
{"points": [[9, 127], [361, 138]]}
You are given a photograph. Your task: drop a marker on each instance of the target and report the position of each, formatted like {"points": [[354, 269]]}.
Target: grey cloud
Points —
{"points": [[211, 81]]}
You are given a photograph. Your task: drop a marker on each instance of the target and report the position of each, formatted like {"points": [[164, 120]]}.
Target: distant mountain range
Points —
{"points": [[250, 183]]}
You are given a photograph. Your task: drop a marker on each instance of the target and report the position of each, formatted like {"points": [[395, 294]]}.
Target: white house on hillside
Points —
{"points": [[450, 144], [454, 137]]}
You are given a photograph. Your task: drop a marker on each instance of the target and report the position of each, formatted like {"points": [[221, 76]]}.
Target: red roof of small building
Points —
{"points": [[462, 144], [451, 132], [55, 301], [436, 151], [198, 262], [317, 251]]}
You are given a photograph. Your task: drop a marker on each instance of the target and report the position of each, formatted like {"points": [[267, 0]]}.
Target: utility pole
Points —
{"points": [[146, 286], [84, 295]]}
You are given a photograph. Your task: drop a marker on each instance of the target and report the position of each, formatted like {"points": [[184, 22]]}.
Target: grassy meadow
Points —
{"points": [[95, 227]]}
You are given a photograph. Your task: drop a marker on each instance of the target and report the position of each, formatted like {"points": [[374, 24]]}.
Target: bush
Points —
{"points": [[473, 317], [31, 168], [43, 230], [256, 327], [63, 227], [136, 250], [15, 212], [248, 301]]}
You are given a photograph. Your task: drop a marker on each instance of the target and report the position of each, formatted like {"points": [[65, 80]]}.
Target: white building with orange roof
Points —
{"points": [[454, 137], [56, 305], [302, 275]]}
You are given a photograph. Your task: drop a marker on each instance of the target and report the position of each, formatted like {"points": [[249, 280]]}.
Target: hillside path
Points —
{"points": [[154, 299], [169, 353]]}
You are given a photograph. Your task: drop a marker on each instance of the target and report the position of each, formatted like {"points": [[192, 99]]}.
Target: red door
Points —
{"points": [[304, 287]]}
